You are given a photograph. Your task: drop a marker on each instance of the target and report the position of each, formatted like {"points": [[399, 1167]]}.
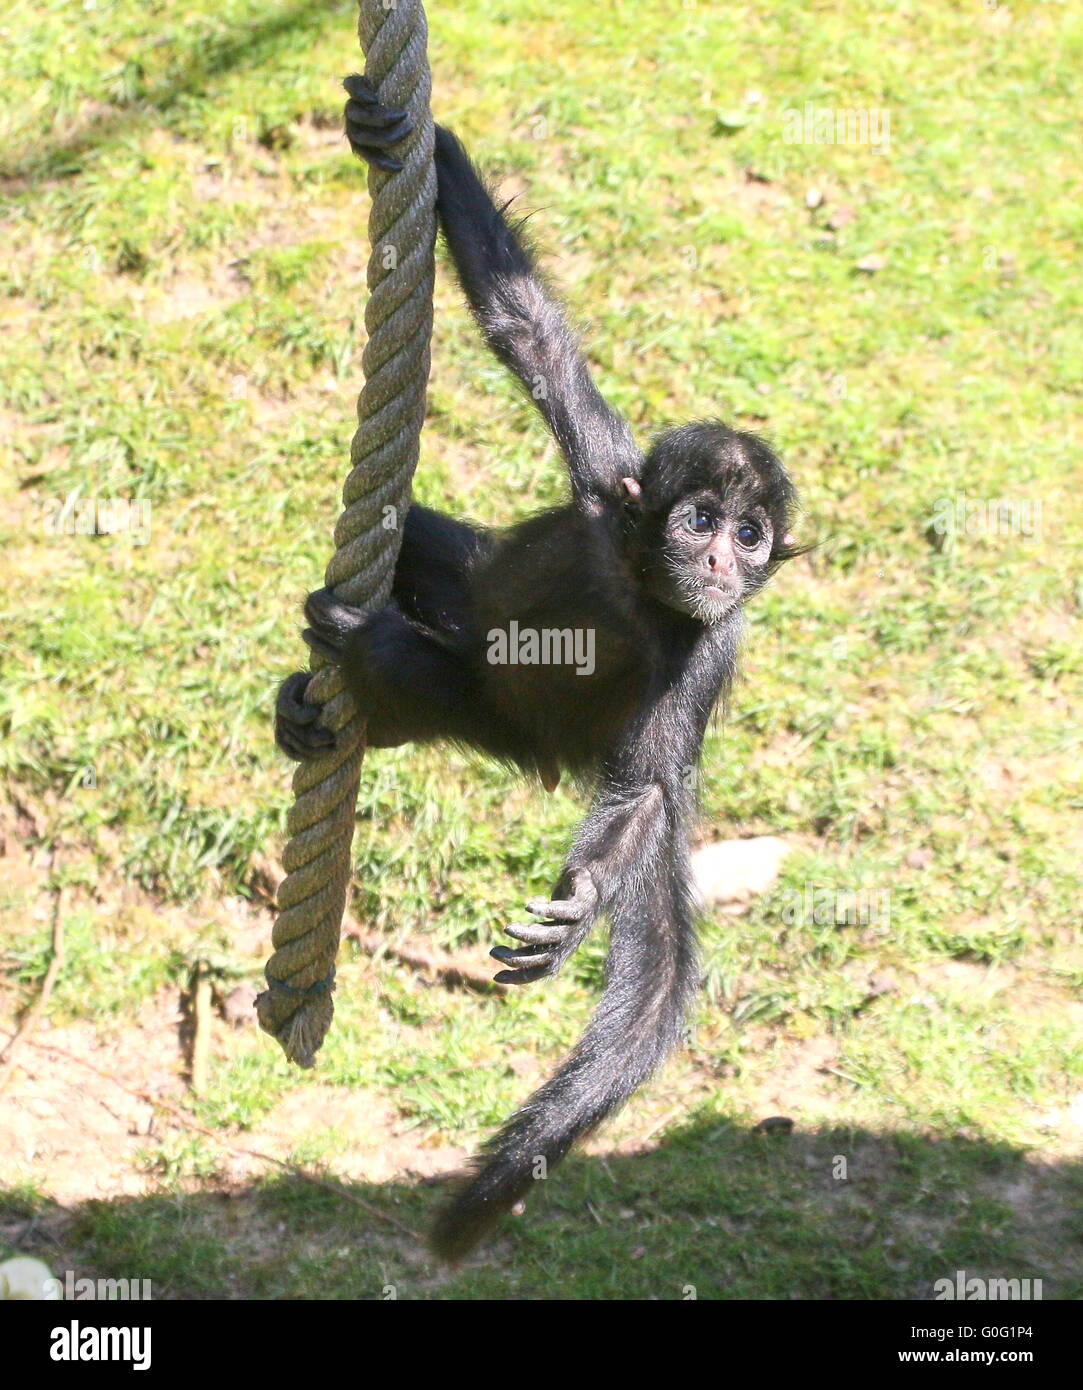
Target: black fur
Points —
{"points": [[654, 556]]}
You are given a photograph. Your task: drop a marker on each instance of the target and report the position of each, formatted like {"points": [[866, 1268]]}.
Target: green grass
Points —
{"points": [[181, 303]]}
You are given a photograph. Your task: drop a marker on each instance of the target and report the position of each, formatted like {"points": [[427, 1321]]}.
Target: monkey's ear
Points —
{"points": [[631, 488], [789, 539]]}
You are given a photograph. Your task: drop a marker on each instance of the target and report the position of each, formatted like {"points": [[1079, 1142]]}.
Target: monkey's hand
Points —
{"points": [[372, 128], [333, 624], [564, 924], [296, 730]]}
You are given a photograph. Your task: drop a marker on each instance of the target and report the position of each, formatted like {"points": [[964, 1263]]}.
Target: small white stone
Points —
{"points": [[27, 1281], [736, 870]]}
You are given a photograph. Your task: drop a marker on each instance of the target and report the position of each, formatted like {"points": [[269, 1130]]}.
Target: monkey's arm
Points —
{"points": [[525, 328], [640, 815], [629, 823], [636, 835], [521, 321], [563, 925]]}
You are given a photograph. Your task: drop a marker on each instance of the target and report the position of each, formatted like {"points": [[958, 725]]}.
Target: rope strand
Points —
{"points": [[296, 1007]]}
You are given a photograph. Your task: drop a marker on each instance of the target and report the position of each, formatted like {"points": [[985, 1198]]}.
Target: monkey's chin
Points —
{"points": [[714, 603]]}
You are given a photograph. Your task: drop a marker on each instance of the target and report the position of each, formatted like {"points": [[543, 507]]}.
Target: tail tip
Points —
{"points": [[456, 1231], [468, 1217]]}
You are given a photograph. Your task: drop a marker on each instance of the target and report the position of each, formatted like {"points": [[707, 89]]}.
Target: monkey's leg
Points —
{"points": [[404, 684], [409, 683], [433, 570], [432, 591], [300, 737], [371, 128]]}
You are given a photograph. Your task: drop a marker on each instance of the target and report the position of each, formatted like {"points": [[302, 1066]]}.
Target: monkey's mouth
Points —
{"points": [[713, 603]]}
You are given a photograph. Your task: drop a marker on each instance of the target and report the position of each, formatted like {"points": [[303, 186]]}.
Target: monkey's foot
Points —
{"points": [[296, 730], [332, 623], [563, 927], [372, 128]]}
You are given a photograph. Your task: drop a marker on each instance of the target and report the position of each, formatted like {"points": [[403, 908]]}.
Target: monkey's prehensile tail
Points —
{"points": [[651, 976]]}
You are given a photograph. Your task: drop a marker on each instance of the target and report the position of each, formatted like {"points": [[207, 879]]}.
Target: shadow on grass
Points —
{"points": [[199, 61], [828, 1214]]}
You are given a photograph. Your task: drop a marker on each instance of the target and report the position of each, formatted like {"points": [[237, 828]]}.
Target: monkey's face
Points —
{"points": [[713, 555], [714, 510]]}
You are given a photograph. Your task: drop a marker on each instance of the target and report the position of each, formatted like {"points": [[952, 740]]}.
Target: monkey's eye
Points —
{"points": [[699, 520], [749, 535]]}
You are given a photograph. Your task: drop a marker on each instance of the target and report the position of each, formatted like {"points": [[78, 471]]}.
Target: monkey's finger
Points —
{"points": [[291, 703], [566, 910], [332, 622], [308, 744], [303, 733], [387, 162], [367, 145], [583, 901], [372, 141], [318, 644], [301, 752], [537, 933], [527, 956], [299, 715], [364, 138], [376, 118], [526, 976], [288, 747], [295, 685], [322, 609], [291, 707], [360, 88], [519, 976], [329, 614]]}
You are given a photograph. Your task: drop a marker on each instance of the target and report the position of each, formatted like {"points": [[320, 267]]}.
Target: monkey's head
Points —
{"points": [[711, 515]]}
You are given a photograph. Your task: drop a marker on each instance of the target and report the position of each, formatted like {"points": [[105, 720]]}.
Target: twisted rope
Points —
{"points": [[296, 1006]]}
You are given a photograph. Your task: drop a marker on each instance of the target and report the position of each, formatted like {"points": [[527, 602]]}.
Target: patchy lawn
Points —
{"points": [[182, 259]]}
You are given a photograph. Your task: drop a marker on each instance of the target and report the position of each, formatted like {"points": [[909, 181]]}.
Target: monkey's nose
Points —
{"points": [[726, 563]]}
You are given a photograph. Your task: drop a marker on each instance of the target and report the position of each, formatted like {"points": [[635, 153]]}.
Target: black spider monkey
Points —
{"points": [[653, 557]]}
